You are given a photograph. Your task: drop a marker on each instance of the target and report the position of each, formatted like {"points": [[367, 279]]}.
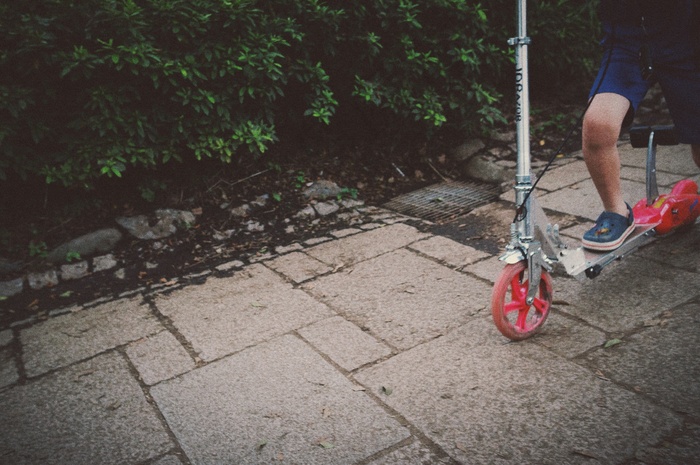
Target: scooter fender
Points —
{"points": [[670, 211]]}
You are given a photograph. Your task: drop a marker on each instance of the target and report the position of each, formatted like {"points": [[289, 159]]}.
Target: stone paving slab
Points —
{"points": [[448, 251], [486, 228], [412, 454], [69, 338], [624, 296], [680, 249], [487, 269], [681, 449], [357, 248], [483, 401], [563, 176], [569, 172], [278, 402], [159, 357], [344, 343], [223, 316], [582, 199], [568, 337], [669, 158], [655, 364], [168, 460], [573, 235], [664, 181], [91, 413], [8, 368], [402, 298], [298, 266]]}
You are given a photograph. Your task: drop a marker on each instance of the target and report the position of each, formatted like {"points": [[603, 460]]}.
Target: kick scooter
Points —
{"points": [[522, 294]]}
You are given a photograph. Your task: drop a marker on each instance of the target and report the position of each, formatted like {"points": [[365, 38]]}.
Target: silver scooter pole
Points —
{"points": [[523, 180], [523, 229]]}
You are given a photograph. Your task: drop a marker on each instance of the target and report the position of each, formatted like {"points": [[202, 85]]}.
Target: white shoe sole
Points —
{"points": [[608, 246]]}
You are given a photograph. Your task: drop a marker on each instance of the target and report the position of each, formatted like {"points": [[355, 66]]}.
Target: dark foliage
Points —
{"points": [[92, 88]]}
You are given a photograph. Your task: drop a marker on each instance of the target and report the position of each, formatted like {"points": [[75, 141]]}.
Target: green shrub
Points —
{"points": [[91, 88], [564, 51]]}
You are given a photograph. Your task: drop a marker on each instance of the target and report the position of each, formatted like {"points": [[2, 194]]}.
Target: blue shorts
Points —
{"points": [[675, 68]]}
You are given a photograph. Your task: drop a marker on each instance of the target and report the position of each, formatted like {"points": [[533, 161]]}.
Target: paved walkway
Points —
{"points": [[374, 347]]}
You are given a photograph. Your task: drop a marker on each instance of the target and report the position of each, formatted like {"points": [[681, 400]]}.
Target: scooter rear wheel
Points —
{"points": [[514, 317]]}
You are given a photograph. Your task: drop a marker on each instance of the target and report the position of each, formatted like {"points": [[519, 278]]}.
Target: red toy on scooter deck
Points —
{"points": [[671, 211], [522, 295]]}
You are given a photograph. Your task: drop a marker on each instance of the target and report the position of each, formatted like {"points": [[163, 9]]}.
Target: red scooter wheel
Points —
{"points": [[514, 317]]}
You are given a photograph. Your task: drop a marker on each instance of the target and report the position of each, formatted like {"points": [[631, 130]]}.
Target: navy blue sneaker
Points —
{"points": [[609, 232]]}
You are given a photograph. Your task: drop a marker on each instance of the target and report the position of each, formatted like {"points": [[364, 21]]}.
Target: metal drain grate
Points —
{"points": [[445, 200]]}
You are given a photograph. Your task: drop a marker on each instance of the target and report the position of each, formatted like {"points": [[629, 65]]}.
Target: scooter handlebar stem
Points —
{"points": [[522, 91], [523, 178]]}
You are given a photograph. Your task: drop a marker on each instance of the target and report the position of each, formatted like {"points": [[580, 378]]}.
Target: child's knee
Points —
{"points": [[599, 132]]}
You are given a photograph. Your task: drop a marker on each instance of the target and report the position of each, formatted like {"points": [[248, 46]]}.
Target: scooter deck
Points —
{"points": [[581, 262]]}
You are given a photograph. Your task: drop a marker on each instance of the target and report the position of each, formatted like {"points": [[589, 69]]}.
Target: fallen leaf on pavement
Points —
{"points": [[461, 447], [612, 342]]}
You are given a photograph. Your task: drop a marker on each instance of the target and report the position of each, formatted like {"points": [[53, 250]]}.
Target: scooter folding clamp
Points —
{"points": [[519, 41]]}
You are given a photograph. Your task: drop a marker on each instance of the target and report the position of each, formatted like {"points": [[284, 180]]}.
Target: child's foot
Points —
{"points": [[609, 232]]}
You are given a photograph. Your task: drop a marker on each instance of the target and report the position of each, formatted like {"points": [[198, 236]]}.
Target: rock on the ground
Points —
{"points": [[254, 226], [241, 211], [7, 266], [306, 212], [223, 235], [322, 190], [10, 288], [42, 279], [103, 262], [485, 168], [167, 222], [100, 241], [74, 270], [467, 150], [507, 136], [326, 208], [260, 201], [351, 203]]}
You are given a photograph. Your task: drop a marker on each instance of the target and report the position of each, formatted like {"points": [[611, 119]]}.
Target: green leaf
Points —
{"points": [[612, 342], [326, 445]]}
